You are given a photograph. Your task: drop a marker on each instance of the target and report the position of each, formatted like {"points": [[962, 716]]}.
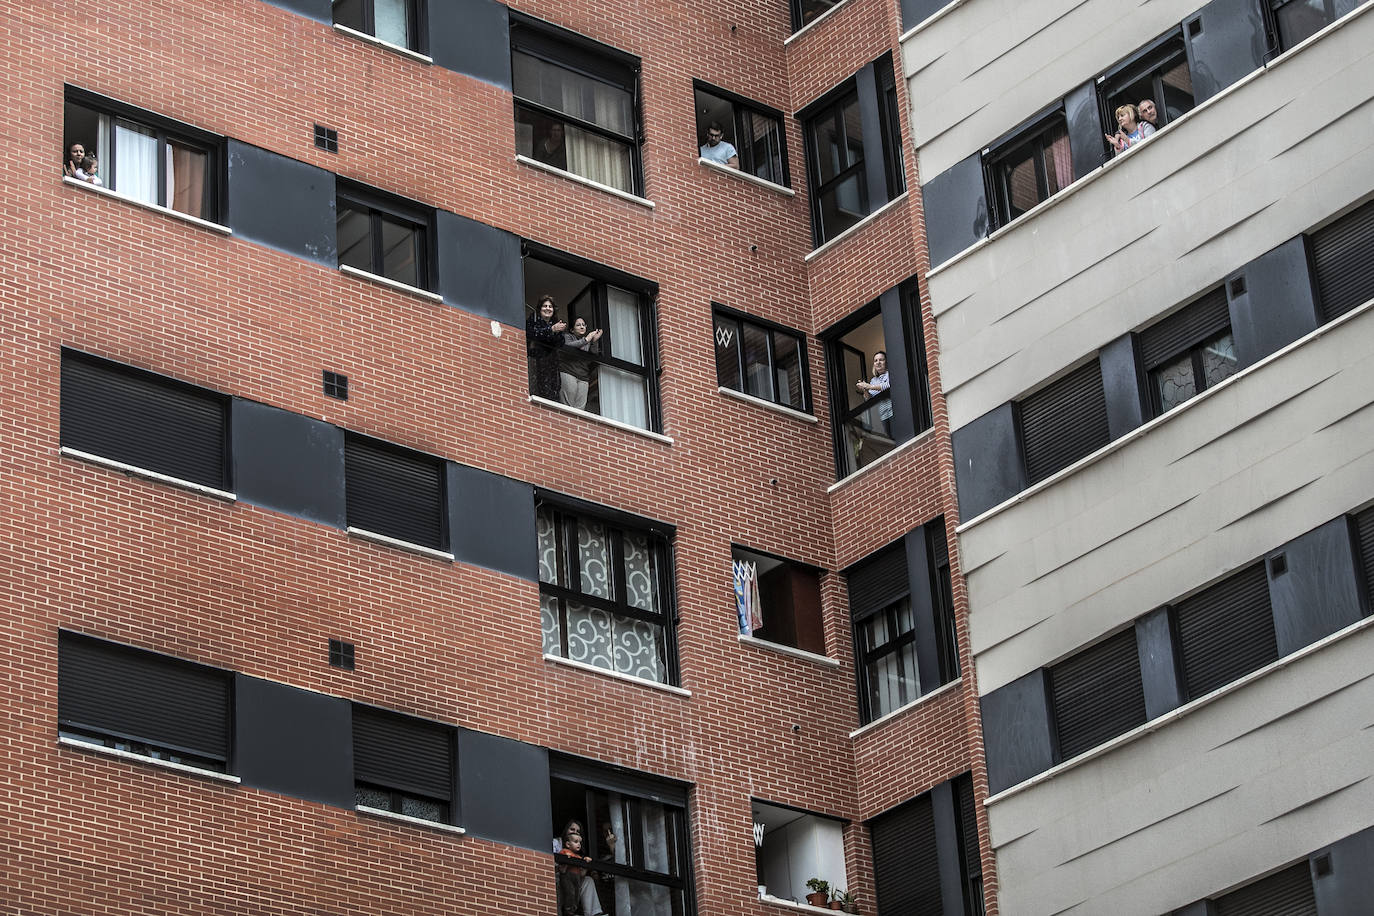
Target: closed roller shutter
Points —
{"points": [[126, 693], [395, 492], [144, 420], [878, 581], [1288, 893], [1064, 422], [1226, 631], [1343, 260], [968, 827], [402, 753], [1190, 325], [1364, 538], [1097, 694], [906, 862]]}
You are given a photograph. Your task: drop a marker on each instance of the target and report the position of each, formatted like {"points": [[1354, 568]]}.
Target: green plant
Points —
{"points": [[846, 897], [818, 886]]}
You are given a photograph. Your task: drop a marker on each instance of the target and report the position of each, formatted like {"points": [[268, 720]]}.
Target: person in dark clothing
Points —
{"points": [[543, 338]]}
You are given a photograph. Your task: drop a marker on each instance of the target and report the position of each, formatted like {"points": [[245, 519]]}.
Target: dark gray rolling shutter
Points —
{"points": [[968, 829], [1188, 326], [402, 753], [618, 779], [1226, 631], [1064, 422], [906, 863], [395, 492], [128, 693], [878, 581], [1343, 260], [1364, 541], [144, 420], [1287, 893], [1097, 694]]}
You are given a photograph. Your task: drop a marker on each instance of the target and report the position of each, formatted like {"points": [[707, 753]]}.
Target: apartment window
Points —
{"points": [[1285, 893], [1097, 694], [804, 12], [1030, 167], [151, 159], [1364, 539], [754, 131], [576, 104], [403, 764], [1298, 20], [777, 600], [604, 594], [634, 828], [1343, 262], [1063, 422], [384, 236], [839, 188], [144, 421], [906, 853], [1159, 74], [792, 846], [1189, 352], [1226, 631], [396, 22], [395, 492], [143, 703], [761, 358], [890, 121], [614, 375]]}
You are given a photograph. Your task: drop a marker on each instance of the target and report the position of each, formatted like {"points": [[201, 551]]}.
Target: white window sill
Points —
{"points": [[745, 176], [150, 475], [882, 459], [95, 748], [156, 208], [854, 229], [421, 549], [807, 28], [573, 176], [374, 40], [788, 904], [903, 710], [596, 417], [407, 819], [779, 648], [768, 405], [616, 675], [393, 284]]}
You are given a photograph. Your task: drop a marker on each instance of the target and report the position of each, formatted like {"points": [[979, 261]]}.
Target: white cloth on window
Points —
{"points": [[624, 396], [747, 597], [136, 161]]}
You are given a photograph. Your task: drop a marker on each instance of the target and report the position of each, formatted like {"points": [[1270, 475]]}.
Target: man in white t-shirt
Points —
{"points": [[717, 149]]}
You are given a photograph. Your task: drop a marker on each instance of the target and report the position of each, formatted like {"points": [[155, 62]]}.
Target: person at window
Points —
{"points": [[717, 149], [1149, 117], [543, 338], [575, 369], [75, 154], [553, 148], [1129, 130], [876, 385], [88, 171], [576, 889]]}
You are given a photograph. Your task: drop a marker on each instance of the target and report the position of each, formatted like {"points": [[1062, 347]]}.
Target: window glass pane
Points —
{"points": [[594, 559], [135, 161], [596, 158], [1023, 188], [350, 13], [787, 370], [638, 648], [548, 547], [1178, 90], [401, 252], [550, 625], [640, 578], [810, 9], [589, 636], [575, 94], [853, 134], [765, 147], [373, 798], [1058, 159], [1218, 360], [185, 179], [1174, 382], [843, 205], [422, 808], [892, 681], [354, 231], [727, 353], [627, 339], [1300, 19], [757, 378], [624, 396], [391, 21]]}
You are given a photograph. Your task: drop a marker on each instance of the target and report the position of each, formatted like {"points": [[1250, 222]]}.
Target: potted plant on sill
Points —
{"points": [[820, 892], [847, 902]]}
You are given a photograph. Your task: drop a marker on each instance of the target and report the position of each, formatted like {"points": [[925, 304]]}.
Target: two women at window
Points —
{"points": [[1133, 125], [559, 366]]}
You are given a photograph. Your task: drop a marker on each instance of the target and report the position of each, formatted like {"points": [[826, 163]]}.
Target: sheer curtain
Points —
{"points": [[589, 155], [623, 394], [185, 179], [136, 160]]}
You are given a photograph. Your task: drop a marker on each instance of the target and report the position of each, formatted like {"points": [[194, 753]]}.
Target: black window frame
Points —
{"points": [[742, 112], [167, 130], [890, 122], [563, 514], [906, 852], [1187, 332], [355, 444], [831, 109], [1152, 61], [795, 571], [417, 31], [805, 12], [400, 778], [570, 51], [1004, 153], [721, 314], [1278, 41], [380, 206]]}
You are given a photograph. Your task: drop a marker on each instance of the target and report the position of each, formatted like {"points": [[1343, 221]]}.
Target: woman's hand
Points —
{"points": [[559, 325]]}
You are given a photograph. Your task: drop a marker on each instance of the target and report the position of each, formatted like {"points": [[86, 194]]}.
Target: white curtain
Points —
{"points": [[136, 160], [390, 16], [590, 155], [624, 394]]}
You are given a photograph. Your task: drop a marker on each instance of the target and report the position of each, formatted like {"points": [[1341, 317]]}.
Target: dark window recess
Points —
{"points": [[942, 594], [1188, 352], [1159, 74], [1364, 540], [762, 359], [385, 236], [151, 159], [1063, 422], [1097, 694], [604, 597], [395, 492], [1028, 169], [1286, 893], [1297, 20], [336, 385], [890, 120], [754, 131], [326, 138], [403, 764], [777, 600], [839, 188], [804, 12], [970, 857], [906, 862], [1225, 631], [1343, 261], [142, 702], [396, 22], [576, 104], [341, 654], [144, 420]]}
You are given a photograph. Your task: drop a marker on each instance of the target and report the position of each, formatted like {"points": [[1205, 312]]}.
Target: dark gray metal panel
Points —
{"points": [[947, 850], [504, 786], [914, 12], [282, 203], [472, 37], [871, 125], [1225, 40], [319, 10], [294, 741], [898, 361], [956, 209], [288, 463], [1123, 385], [1158, 666], [1278, 304], [923, 611], [491, 522], [1349, 888], [480, 269], [1016, 731], [1201, 908], [1085, 129], [1319, 592], [987, 463]]}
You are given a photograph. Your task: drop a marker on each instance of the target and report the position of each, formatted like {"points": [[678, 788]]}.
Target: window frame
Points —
{"points": [[739, 107], [842, 882], [1278, 42], [380, 205], [890, 122], [792, 567], [1192, 333], [830, 107], [1164, 53], [798, 9], [397, 794], [739, 318], [998, 157], [417, 33]]}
